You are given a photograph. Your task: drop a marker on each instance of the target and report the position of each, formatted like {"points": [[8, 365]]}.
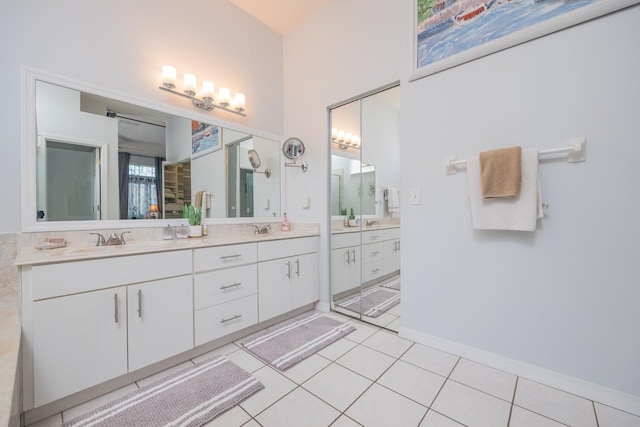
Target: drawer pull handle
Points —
{"points": [[237, 316], [354, 256], [140, 303], [289, 269], [226, 257], [375, 253], [348, 258], [233, 285], [374, 237], [375, 270], [115, 305], [298, 267]]}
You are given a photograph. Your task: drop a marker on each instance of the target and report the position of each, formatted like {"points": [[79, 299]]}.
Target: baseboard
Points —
{"points": [[324, 307], [607, 396]]}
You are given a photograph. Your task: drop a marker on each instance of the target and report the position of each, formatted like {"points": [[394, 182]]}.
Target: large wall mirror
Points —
{"points": [[97, 158], [365, 207]]}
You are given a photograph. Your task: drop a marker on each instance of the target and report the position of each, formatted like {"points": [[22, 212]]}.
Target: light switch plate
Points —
{"points": [[414, 196], [304, 202]]}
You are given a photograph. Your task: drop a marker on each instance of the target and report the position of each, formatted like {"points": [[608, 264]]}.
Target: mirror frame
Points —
{"points": [[28, 137]]}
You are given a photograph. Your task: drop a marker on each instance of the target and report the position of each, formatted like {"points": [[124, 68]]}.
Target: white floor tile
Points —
{"points": [[431, 359], [275, 386], [555, 404], [52, 421], [298, 408], [337, 386], [252, 423], [337, 349], [362, 331], [160, 375], [306, 369], [366, 361], [471, 407], [246, 361], [610, 417], [434, 419], [413, 382], [382, 407], [345, 421], [396, 310], [383, 320], [233, 417], [493, 381], [521, 417], [89, 406], [395, 325], [225, 349], [388, 343]]}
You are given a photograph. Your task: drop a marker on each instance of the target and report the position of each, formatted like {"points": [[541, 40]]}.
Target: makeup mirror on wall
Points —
{"points": [[97, 158], [365, 207]]}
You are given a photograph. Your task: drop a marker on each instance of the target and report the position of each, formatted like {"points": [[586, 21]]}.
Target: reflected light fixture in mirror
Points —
{"points": [[345, 139], [206, 101]]}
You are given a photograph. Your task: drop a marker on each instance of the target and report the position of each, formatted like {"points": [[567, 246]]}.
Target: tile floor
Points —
{"points": [[373, 378]]}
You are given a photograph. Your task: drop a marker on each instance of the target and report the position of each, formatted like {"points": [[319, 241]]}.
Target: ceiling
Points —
{"points": [[282, 16]]}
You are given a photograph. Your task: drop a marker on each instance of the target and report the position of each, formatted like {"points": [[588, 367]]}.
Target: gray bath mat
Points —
{"points": [[393, 284], [191, 397], [284, 346], [372, 302]]}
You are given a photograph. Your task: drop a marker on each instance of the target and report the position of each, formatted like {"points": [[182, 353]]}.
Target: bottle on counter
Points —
{"points": [[285, 223]]}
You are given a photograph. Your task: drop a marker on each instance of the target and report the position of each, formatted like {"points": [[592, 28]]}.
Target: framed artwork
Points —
{"points": [[205, 138], [451, 32]]}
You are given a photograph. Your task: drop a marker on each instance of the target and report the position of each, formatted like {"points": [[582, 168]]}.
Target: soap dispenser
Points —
{"points": [[285, 223]]}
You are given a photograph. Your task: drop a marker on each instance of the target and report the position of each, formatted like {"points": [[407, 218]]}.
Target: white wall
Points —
{"points": [[563, 298], [121, 46]]}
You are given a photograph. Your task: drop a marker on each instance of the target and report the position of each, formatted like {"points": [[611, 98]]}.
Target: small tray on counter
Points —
{"points": [[51, 243]]}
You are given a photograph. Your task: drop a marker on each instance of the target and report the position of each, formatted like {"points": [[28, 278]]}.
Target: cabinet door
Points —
{"points": [[78, 341], [341, 270], [304, 279], [391, 256], [274, 288], [160, 320], [355, 268]]}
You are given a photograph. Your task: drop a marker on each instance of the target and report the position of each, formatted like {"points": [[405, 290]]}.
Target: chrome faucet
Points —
{"points": [[113, 240]]}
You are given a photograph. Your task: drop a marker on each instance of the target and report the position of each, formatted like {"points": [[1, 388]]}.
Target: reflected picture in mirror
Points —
{"points": [[98, 158]]}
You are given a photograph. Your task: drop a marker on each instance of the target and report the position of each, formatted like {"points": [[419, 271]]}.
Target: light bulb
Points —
{"points": [[239, 102], [190, 84], [207, 91], [224, 97], [168, 76]]}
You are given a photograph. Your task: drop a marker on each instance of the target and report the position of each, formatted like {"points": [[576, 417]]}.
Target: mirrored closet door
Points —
{"points": [[365, 207]]}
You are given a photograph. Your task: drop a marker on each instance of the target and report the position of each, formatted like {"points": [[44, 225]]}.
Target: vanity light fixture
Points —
{"points": [[207, 99], [345, 139]]}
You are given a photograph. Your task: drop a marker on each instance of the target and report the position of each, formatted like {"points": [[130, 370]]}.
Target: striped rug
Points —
{"points": [[371, 302], [191, 397], [393, 284], [291, 342]]}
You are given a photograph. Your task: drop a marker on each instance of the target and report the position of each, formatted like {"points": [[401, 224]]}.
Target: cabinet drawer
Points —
{"points": [[391, 233], [217, 287], [344, 240], [223, 319], [81, 276], [372, 236], [373, 270], [373, 252], [223, 256], [284, 248]]}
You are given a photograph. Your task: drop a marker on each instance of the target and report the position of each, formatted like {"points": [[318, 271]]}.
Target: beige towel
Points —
{"points": [[198, 201], [500, 171], [519, 213]]}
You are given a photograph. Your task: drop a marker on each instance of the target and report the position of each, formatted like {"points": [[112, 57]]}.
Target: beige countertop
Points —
{"points": [[340, 230], [9, 352], [77, 252]]}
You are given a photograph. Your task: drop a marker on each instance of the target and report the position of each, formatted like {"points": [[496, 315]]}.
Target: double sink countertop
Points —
{"points": [[342, 229], [134, 246]]}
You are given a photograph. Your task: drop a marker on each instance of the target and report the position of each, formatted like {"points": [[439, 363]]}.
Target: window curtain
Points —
{"points": [[142, 194], [159, 186], [123, 179]]}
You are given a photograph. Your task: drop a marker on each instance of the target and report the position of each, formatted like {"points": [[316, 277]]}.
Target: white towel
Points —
{"points": [[393, 200], [519, 213]]}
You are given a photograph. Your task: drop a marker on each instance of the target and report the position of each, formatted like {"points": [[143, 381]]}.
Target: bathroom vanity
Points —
{"points": [[94, 314]]}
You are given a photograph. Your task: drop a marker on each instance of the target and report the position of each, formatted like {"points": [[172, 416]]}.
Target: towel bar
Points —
{"points": [[576, 152]]}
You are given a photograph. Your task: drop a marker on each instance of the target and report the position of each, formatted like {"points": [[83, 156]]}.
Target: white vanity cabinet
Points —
{"points": [[372, 255], [346, 262], [82, 321], [225, 290], [391, 250], [78, 341], [287, 275]]}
